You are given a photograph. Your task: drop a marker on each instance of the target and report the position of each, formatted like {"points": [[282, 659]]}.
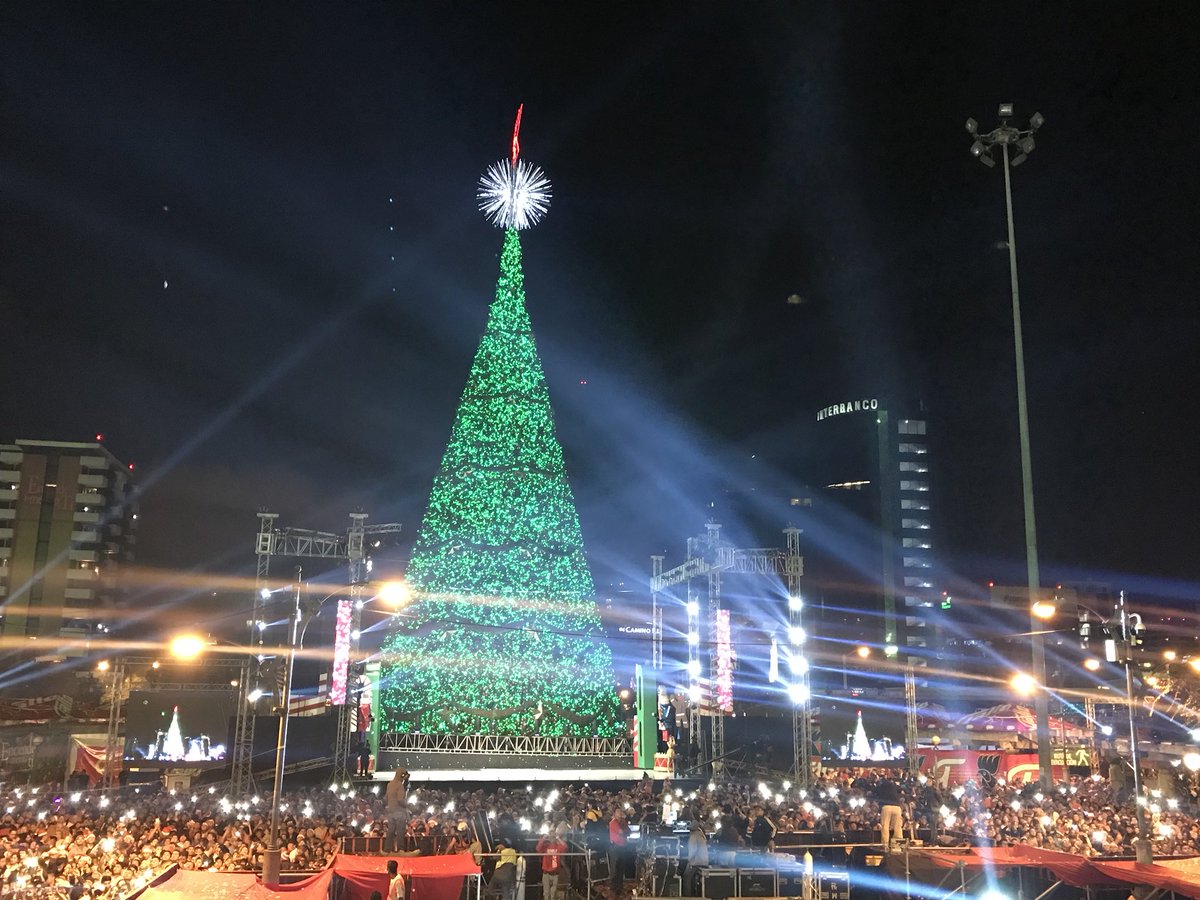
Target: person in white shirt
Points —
{"points": [[395, 881]]}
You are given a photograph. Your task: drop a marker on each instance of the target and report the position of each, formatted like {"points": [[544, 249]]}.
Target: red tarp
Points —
{"points": [[1180, 876], [433, 877], [189, 885]]}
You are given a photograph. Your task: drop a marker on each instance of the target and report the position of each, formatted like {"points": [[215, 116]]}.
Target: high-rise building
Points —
{"points": [[870, 543], [67, 521]]}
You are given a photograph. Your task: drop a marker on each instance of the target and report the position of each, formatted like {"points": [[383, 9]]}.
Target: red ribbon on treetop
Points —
{"points": [[516, 140]]}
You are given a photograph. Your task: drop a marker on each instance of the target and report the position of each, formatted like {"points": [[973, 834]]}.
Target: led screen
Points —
{"points": [[179, 728]]}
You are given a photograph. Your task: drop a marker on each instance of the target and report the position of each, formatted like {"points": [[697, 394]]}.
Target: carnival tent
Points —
{"points": [[1010, 718]]}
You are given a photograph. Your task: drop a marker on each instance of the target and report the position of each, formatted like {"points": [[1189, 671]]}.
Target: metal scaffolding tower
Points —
{"points": [[910, 718], [350, 547], [708, 556]]}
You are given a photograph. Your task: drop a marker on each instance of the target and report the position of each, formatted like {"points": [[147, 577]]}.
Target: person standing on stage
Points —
{"points": [[396, 800], [891, 813]]}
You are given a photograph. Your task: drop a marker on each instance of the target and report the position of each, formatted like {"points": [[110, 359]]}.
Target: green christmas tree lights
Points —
{"points": [[504, 637]]}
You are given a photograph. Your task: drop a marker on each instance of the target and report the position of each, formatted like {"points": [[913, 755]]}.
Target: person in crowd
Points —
{"points": [[552, 846], [697, 856], [504, 879], [618, 844], [762, 830], [395, 881]]}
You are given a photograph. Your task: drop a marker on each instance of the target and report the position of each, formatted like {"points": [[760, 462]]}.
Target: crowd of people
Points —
{"points": [[92, 845]]}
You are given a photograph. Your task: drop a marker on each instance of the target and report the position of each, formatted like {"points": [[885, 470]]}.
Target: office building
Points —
{"points": [[67, 521], [871, 544]]}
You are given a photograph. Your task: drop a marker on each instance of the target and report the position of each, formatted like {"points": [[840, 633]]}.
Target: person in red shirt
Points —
{"points": [[618, 840], [552, 846]]}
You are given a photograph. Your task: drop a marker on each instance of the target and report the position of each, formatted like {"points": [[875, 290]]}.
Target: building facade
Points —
{"points": [[67, 522], [874, 502]]}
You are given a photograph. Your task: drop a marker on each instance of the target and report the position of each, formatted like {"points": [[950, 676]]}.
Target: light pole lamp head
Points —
{"points": [[972, 126], [1036, 121], [1006, 110]]}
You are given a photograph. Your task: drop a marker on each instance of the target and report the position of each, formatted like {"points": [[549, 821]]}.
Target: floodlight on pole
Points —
{"points": [[187, 646], [395, 594], [1024, 684], [1043, 609], [1002, 136]]}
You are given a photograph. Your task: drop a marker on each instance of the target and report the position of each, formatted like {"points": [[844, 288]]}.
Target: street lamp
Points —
{"points": [[1126, 629], [1024, 684], [303, 611], [861, 652], [1003, 136]]}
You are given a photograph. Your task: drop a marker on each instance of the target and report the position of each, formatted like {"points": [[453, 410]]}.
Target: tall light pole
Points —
{"points": [[1003, 136], [303, 611], [862, 652]]}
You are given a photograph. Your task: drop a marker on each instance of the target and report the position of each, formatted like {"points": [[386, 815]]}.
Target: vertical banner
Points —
{"points": [[724, 662], [645, 740], [341, 652]]}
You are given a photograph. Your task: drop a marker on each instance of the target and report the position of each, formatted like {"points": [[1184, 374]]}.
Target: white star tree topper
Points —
{"points": [[513, 193]]}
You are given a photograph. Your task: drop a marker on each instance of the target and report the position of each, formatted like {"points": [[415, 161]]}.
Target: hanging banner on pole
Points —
{"points": [[724, 662], [341, 652]]}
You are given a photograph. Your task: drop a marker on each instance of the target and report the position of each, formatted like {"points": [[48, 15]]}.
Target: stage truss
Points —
{"points": [[709, 557]]}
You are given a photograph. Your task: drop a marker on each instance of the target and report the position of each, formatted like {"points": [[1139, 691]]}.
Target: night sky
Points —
{"points": [[240, 240]]}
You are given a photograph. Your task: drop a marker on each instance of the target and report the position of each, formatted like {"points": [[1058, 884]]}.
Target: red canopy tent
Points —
{"points": [[932, 866]]}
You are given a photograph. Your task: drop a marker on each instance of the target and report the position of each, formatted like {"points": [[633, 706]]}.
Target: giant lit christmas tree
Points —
{"points": [[504, 636]]}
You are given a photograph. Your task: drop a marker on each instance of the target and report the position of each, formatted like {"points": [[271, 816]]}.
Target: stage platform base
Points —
{"points": [[524, 774], [481, 757]]}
